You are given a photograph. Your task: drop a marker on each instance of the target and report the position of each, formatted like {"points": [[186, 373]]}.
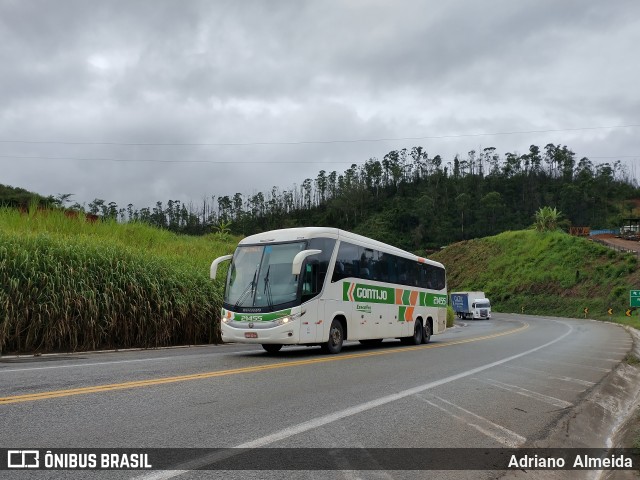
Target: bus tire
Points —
{"points": [[416, 338], [336, 338], [426, 334], [272, 347]]}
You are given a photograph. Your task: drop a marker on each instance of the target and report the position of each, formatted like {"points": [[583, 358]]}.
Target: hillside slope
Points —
{"points": [[544, 273], [19, 197]]}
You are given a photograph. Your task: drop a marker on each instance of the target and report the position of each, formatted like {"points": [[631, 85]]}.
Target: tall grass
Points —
{"points": [[66, 284]]}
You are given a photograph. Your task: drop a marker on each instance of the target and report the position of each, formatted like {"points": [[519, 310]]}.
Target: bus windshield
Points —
{"points": [[260, 275]]}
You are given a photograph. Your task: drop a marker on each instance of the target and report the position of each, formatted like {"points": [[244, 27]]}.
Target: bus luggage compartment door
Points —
{"points": [[309, 323]]}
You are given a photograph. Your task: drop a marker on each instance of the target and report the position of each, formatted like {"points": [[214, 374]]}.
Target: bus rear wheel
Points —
{"points": [[426, 334], [272, 347], [336, 337]]}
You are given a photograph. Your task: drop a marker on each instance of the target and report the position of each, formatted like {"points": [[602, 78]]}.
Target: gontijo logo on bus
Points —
{"points": [[354, 292]]}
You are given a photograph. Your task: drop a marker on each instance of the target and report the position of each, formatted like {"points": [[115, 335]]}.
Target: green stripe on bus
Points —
{"points": [[406, 297], [259, 317], [433, 300], [364, 293]]}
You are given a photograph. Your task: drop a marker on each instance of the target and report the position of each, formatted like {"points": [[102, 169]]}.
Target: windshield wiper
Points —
{"points": [[267, 288], [249, 288]]}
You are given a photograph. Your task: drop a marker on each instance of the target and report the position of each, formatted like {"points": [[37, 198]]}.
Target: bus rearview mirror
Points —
{"points": [[214, 265], [296, 266]]}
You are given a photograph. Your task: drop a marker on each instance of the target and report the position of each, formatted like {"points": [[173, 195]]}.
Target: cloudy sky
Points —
{"points": [[139, 101]]}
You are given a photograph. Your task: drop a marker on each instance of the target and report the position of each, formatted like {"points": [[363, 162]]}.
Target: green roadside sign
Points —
{"points": [[634, 298]]}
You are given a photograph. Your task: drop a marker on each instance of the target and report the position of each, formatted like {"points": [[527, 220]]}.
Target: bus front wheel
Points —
{"points": [[336, 337], [416, 338], [271, 347]]}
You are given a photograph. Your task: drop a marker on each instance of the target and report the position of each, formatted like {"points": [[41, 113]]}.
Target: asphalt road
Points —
{"points": [[498, 383]]}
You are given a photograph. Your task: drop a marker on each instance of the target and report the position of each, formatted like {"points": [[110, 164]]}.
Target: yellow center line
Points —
{"points": [[235, 371]]}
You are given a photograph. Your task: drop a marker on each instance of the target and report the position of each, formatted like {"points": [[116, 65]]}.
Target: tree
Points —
{"points": [[492, 207], [222, 230], [546, 219], [225, 207], [62, 199], [321, 186], [463, 200], [492, 159], [96, 206], [237, 206], [306, 188], [535, 160]]}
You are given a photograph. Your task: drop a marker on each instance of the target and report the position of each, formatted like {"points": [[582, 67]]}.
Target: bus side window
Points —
{"points": [[390, 267], [380, 267], [349, 258], [367, 256]]}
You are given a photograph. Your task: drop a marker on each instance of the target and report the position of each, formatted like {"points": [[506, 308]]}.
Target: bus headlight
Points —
{"points": [[282, 321], [286, 319]]}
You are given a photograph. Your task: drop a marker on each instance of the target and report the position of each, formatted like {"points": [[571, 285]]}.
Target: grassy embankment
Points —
{"points": [[545, 273], [66, 284]]}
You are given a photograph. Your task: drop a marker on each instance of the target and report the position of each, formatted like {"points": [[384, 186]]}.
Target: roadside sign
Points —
{"points": [[610, 311], [634, 298]]}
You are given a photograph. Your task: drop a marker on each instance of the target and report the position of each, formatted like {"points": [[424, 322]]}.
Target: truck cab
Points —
{"points": [[481, 308]]}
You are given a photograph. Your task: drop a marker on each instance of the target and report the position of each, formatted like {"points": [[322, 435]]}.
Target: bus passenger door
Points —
{"points": [[310, 290]]}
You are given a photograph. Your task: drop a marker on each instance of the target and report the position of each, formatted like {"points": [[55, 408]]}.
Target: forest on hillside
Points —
{"points": [[411, 199]]}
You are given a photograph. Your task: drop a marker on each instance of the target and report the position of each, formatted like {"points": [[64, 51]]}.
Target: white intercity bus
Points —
{"points": [[322, 286]]}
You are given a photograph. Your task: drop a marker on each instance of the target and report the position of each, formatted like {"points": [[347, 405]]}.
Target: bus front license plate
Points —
{"points": [[250, 335]]}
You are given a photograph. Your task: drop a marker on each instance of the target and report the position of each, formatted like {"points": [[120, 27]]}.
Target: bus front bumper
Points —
{"points": [[283, 334]]}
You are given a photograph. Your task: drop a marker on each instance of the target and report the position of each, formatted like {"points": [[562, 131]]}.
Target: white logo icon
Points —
{"points": [[23, 459]]}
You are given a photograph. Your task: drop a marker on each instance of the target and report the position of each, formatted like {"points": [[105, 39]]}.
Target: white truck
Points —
{"points": [[471, 305]]}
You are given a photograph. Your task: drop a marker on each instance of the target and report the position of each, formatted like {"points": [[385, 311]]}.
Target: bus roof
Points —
{"points": [[304, 233]]}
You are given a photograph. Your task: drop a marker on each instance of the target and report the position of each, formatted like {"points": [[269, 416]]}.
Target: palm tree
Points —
{"points": [[547, 219]]}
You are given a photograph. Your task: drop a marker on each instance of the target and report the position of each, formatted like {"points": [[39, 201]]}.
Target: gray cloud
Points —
{"points": [[258, 71]]}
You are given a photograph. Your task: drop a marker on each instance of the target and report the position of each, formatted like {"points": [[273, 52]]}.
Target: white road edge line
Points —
{"points": [[347, 412], [589, 367], [597, 359], [500, 434], [556, 402], [611, 350], [586, 383]]}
